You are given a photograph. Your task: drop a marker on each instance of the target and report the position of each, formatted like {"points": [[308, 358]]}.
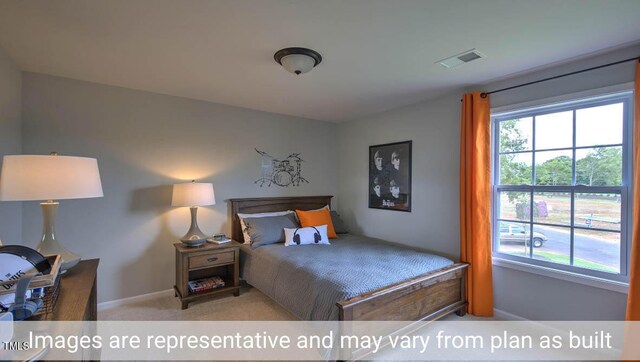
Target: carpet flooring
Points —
{"points": [[251, 305]]}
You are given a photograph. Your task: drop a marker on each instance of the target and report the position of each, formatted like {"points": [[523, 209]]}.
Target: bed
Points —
{"points": [[354, 279]]}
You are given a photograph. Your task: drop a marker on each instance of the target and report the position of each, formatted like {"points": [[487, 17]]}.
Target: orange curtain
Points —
{"points": [[633, 301], [475, 202]]}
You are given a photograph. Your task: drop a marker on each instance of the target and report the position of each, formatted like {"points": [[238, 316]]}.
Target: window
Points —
{"points": [[560, 185]]}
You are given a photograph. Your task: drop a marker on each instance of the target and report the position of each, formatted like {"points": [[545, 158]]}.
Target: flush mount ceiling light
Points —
{"points": [[297, 60]]}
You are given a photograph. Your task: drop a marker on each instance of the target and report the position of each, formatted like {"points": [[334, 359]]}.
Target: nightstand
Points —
{"points": [[205, 261]]}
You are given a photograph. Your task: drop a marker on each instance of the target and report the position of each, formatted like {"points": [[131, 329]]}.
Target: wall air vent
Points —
{"points": [[462, 58]]}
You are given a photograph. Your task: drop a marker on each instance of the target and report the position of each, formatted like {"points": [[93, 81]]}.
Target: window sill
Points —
{"points": [[615, 286]]}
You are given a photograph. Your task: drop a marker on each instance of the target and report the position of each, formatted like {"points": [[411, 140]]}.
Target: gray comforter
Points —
{"points": [[308, 280]]}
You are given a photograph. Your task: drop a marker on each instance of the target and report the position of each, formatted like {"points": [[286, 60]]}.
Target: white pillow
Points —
{"points": [[247, 238], [325, 207], [307, 235]]}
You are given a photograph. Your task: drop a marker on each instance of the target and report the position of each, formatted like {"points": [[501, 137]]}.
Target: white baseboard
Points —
{"points": [[506, 316], [138, 298]]}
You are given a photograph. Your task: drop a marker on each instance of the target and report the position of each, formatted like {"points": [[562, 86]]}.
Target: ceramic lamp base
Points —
{"points": [[49, 245], [194, 237], [192, 243]]}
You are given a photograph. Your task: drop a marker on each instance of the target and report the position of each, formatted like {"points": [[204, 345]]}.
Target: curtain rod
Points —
{"points": [[485, 94]]}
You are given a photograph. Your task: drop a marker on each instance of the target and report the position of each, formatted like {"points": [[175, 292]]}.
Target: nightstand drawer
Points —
{"points": [[204, 261]]}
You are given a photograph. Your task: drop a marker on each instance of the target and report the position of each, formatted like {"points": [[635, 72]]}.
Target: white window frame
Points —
{"points": [[623, 93]]}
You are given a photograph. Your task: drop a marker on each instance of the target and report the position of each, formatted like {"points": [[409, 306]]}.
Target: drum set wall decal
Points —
{"points": [[281, 172]]}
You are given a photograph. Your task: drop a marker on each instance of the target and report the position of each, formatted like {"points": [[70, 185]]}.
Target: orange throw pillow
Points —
{"points": [[317, 218]]}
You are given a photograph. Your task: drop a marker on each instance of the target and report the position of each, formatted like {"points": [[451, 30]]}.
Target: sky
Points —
{"points": [[595, 126]]}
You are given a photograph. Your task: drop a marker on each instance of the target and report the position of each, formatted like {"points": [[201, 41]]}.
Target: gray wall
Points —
{"points": [[433, 224], [145, 142], [434, 127], [10, 142], [537, 297]]}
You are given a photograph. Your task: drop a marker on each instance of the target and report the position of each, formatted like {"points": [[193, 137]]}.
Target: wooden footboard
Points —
{"points": [[426, 297]]}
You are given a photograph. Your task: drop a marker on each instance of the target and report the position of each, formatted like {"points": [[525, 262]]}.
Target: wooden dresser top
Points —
{"points": [[75, 292]]}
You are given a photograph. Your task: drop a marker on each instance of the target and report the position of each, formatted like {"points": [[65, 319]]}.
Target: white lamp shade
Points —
{"points": [[193, 194], [297, 63], [38, 177]]}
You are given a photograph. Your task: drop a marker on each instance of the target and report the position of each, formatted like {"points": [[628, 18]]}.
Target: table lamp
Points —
{"points": [[48, 178], [193, 194]]}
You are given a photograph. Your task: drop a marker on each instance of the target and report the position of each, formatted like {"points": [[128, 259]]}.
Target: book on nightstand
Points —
{"points": [[218, 239]]}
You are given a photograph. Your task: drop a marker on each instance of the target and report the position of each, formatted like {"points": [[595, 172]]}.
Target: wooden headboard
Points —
{"points": [[271, 204]]}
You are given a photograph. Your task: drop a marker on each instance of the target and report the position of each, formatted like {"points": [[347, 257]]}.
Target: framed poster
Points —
{"points": [[390, 176]]}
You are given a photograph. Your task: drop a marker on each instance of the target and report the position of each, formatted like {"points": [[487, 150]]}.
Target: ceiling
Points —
{"points": [[377, 55]]}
